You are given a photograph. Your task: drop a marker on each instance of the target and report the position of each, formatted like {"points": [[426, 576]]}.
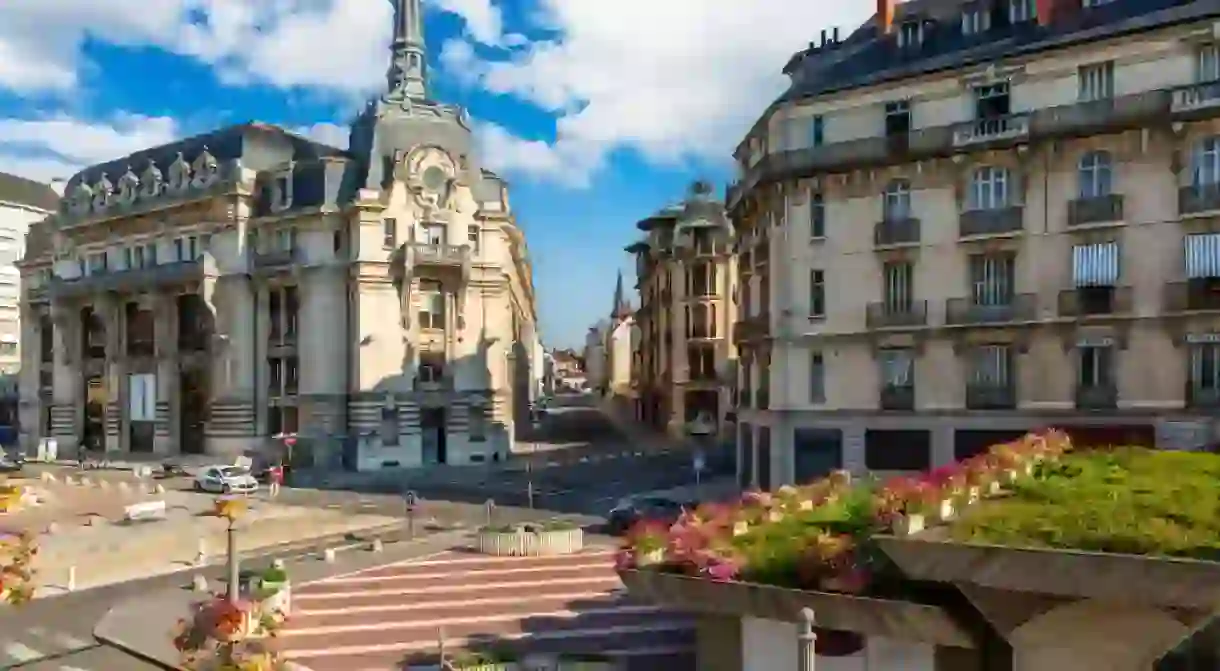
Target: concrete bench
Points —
{"points": [[144, 511]]}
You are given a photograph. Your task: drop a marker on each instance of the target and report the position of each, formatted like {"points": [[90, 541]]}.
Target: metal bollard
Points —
{"points": [[328, 555], [71, 586], [376, 545], [806, 650], [158, 488], [199, 583]]}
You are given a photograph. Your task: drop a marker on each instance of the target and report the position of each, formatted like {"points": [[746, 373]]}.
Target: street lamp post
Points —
{"points": [[233, 591]]}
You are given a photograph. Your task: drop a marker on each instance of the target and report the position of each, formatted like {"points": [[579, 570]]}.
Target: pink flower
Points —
{"points": [[624, 560]]}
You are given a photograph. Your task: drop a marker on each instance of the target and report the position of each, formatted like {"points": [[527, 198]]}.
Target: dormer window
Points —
{"points": [[975, 20], [910, 35], [897, 118], [1022, 11], [281, 192]]}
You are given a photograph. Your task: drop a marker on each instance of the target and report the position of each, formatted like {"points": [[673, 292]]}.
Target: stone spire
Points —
{"points": [[622, 309], [408, 74]]}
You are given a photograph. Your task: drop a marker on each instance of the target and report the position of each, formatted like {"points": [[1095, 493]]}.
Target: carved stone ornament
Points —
{"points": [[152, 181], [80, 201], [179, 175], [103, 193], [206, 168], [129, 187]]}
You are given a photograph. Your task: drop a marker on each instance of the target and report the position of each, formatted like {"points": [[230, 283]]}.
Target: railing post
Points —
{"points": [[806, 649]]}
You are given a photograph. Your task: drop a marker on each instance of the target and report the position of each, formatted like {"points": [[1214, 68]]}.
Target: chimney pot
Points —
{"points": [[885, 16], [823, 37], [835, 38]]}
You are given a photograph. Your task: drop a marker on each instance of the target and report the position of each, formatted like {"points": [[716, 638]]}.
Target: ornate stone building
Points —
{"points": [[687, 284], [203, 296]]}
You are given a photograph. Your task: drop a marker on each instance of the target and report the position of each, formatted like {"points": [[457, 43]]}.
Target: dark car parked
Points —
{"points": [[634, 509]]}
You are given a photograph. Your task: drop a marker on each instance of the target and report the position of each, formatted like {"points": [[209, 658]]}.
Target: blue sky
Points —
{"points": [[597, 113]]}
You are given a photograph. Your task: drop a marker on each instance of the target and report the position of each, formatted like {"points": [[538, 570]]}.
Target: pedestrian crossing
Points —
{"points": [[26, 647]]}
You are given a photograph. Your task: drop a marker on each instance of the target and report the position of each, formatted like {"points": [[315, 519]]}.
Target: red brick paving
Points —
{"points": [[383, 618]]}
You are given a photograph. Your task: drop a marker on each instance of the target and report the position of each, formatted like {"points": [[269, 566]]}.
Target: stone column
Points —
{"points": [[29, 403], [168, 387], [231, 428], [324, 345], [68, 401], [115, 413]]}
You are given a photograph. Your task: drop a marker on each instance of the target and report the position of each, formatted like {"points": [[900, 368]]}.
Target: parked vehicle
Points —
{"points": [[634, 509], [226, 480], [11, 461]]}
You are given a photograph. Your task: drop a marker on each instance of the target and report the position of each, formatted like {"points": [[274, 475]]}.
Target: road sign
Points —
{"points": [[411, 498], [700, 462]]}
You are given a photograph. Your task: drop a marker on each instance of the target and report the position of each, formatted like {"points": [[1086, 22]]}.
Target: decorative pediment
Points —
{"points": [[152, 181], [206, 169], [179, 175], [129, 188], [80, 200], [103, 193]]}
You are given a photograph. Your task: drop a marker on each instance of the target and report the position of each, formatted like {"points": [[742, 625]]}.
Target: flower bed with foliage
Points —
{"points": [[1127, 500], [17, 552], [818, 536], [220, 635]]}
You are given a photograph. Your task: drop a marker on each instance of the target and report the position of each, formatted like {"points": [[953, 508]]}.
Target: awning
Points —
{"points": [[1095, 265], [1203, 255]]}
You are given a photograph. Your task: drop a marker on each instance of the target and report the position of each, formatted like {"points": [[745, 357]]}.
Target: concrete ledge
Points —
{"points": [[902, 620], [1133, 579]]}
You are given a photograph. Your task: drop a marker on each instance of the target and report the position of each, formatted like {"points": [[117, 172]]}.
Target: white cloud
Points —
{"points": [[55, 147], [484, 21], [326, 133], [672, 80]]}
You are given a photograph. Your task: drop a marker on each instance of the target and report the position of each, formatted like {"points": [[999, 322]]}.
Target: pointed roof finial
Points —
{"points": [[408, 61]]}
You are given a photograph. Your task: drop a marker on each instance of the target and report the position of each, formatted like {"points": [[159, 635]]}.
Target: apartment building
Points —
{"points": [[207, 295], [983, 218], [687, 286]]}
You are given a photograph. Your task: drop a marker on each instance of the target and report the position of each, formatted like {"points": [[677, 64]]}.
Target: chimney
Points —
{"points": [[1046, 11], [835, 37], [885, 16], [823, 37]]}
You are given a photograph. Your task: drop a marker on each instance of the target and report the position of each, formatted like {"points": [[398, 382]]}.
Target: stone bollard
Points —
{"points": [[328, 555], [199, 583], [158, 488], [69, 480], [377, 545], [52, 528], [47, 476], [277, 564], [85, 482], [71, 584], [103, 485]]}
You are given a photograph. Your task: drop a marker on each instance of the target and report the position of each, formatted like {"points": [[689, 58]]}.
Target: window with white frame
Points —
{"points": [[817, 130], [817, 216], [434, 234], [975, 19], [817, 294], [389, 233], [1205, 366], [187, 248], [389, 426], [1095, 366], [284, 240], [95, 263], [899, 292], [474, 237], [992, 278], [140, 256], [897, 368], [1096, 81], [897, 202], [817, 377], [1205, 168], [1021, 11], [988, 189], [992, 366], [431, 306], [1095, 175], [910, 34], [281, 192], [477, 426], [897, 118], [1207, 63]]}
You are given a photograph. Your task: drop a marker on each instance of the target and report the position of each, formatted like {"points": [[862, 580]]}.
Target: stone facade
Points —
{"points": [[205, 296]]}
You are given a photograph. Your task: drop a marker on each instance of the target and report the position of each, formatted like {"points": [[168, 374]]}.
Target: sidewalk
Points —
{"points": [[644, 438], [143, 626]]}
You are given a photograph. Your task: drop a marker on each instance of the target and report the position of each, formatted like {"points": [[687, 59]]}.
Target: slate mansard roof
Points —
{"points": [[27, 193]]}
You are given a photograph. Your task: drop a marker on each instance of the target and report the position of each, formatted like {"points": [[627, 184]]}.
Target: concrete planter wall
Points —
{"points": [[523, 543], [899, 620]]}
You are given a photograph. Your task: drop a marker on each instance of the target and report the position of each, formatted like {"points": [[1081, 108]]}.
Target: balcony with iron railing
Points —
{"points": [[424, 254], [1197, 100], [897, 397], [752, 328], [966, 312], [274, 259], [1198, 198], [1196, 296], [1201, 397], [995, 221], [1105, 209], [1096, 396], [139, 280], [891, 232], [889, 315], [991, 396], [1096, 302], [991, 130]]}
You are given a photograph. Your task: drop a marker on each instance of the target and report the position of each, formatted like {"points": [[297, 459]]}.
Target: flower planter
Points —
{"points": [[904, 620], [279, 600], [650, 557], [522, 543]]}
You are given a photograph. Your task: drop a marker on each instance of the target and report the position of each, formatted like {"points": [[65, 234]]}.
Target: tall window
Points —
{"points": [[817, 216], [1207, 64], [1021, 11], [992, 101], [1205, 366], [1206, 162], [992, 366], [285, 240], [283, 312], [897, 200], [434, 234], [389, 426], [283, 376], [475, 238], [988, 189], [975, 20], [1096, 81], [701, 280], [817, 377], [389, 233], [431, 306], [817, 131], [897, 368], [897, 118], [701, 321], [1095, 174], [992, 278], [187, 248], [1095, 366], [701, 362], [899, 292], [817, 294], [431, 367]]}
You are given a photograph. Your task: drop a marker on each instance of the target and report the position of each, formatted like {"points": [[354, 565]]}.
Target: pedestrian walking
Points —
{"points": [[275, 478]]}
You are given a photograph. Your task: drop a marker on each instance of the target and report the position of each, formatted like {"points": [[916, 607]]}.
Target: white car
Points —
{"points": [[226, 480]]}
